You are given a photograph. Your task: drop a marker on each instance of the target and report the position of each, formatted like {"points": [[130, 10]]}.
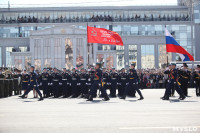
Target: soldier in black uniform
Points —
{"points": [[33, 84], [132, 83], [172, 83], [124, 79], [25, 81], [15, 82], [197, 80], [75, 83], [105, 79], [44, 82], [56, 79], [8, 83], [113, 88], [83, 81], [97, 82], [184, 78], [2, 78], [66, 80]]}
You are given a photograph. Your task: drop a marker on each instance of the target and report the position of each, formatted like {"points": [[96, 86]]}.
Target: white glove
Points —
{"points": [[51, 83], [86, 83], [195, 82], [136, 82], [28, 84], [60, 83], [127, 83], [48, 83], [40, 84], [174, 82]]}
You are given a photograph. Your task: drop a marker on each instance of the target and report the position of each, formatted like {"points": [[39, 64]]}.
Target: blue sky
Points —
{"points": [[46, 3]]}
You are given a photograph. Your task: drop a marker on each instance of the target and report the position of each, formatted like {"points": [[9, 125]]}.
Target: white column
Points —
{"points": [[114, 61], [105, 56], [42, 53], [63, 52], [23, 61], [32, 50], [74, 51], [85, 53], [52, 51]]}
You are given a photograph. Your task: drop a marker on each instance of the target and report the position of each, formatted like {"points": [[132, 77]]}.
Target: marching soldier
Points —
{"points": [[8, 83], [25, 81], [132, 83], [44, 82], [33, 84], [197, 80], [2, 78], [15, 82], [83, 81], [105, 79], [172, 83], [113, 88], [56, 80], [66, 83], [124, 78], [96, 83], [184, 78], [75, 83]]}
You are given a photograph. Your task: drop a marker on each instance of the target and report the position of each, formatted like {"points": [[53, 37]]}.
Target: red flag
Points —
{"points": [[103, 36]]}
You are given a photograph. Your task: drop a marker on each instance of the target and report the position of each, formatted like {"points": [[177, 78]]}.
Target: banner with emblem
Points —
{"points": [[103, 36]]}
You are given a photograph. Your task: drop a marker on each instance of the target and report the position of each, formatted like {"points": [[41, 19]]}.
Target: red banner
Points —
{"points": [[103, 36]]}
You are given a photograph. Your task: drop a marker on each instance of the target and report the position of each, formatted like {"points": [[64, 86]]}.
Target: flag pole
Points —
{"points": [[167, 53], [87, 46]]}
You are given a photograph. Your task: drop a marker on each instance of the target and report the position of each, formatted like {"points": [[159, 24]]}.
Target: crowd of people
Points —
{"points": [[85, 83], [93, 18]]}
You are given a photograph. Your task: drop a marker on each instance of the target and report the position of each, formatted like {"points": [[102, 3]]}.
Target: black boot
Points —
{"points": [[90, 98], [106, 98], [182, 97], [165, 98], [123, 97], [141, 98], [22, 96], [41, 98]]}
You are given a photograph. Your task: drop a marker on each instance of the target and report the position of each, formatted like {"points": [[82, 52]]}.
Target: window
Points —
{"points": [[8, 57], [147, 56], [162, 56], [57, 53], [79, 53], [132, 54], [68, 54], [37, 53], [23, 49], [47, 53]]}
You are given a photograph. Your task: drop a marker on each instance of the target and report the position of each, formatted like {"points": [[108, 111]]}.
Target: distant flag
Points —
{"points": [[174, 47], [103, 36]]}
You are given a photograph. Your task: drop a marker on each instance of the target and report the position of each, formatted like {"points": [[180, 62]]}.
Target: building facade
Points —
{"points": [[57, 37]]}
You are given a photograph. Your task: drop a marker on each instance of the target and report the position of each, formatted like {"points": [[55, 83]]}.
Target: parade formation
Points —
{"points": [[95, 81]]}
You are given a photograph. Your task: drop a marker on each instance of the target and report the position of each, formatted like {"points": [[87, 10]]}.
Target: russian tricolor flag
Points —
{"points": [[174, 47]]}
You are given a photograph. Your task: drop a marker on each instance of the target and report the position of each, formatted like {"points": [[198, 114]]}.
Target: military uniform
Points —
{"points": [[96, 84], [33, 84], [8, 85], [184, 78], [66, 81], [113, 87], [83, 81], [56, 79], [124, 81], [172, 83], [2, 78], [25, 81], [15, 83], [44, 84], [75, 84], [132, 84], [197, 82]]}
